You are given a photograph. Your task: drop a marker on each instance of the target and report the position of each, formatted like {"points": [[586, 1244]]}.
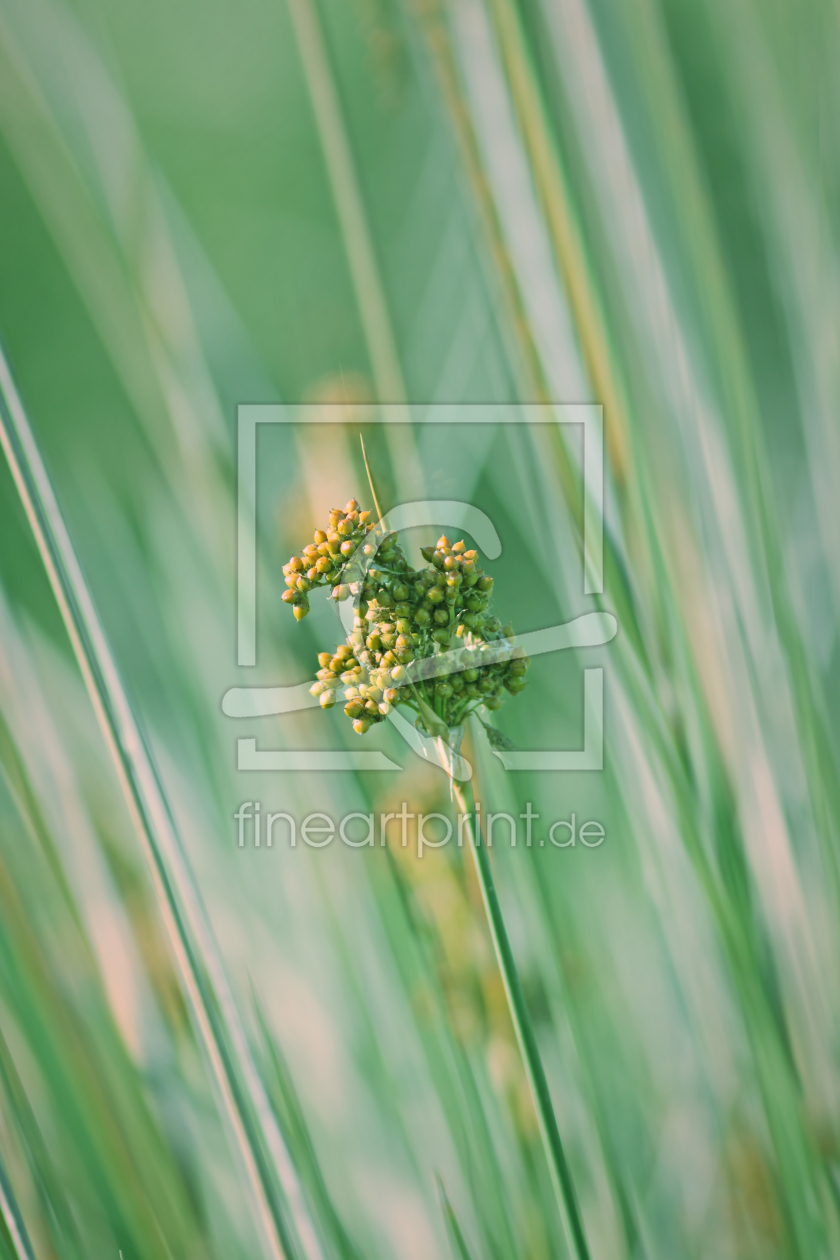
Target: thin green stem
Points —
{"points": [[380, 514], [561, 1173]]}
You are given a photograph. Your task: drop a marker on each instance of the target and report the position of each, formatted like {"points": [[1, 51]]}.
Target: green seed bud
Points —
{"points": [[492, 702], [422, 617], [442, 617], [443, 689], [441, 635], [435, 595], [485, 584]]}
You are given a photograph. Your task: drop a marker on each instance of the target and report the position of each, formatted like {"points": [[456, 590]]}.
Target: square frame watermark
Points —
{"points": [[591, 629]]}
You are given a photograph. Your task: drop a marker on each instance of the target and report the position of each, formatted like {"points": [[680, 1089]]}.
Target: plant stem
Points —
{"points": [[561, 1174], [376, 503]]}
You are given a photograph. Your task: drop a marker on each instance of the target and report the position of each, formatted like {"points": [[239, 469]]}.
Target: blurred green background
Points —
{"points": [[464, 201]]}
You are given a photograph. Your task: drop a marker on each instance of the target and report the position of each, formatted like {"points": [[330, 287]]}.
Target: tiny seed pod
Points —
{"points": [[492, 702], [291, 596], [316, 689], [371, 707], [391, 695], [352, 506], [470, 675], [458, 546], [400, 592], [364, 517], [399, 673], [296, 564], [443, 689], [402, 609], [384, 708], [442, 617], [518, 668], [441, 635], [353, 708], [324, 659], [422, 617], [347, 548], [344, 528], [457, 681], [473, 603], [443, 543], [435, 595], [320, 536], [450, 562], [361, 726], [327, 699], [485, 584]]}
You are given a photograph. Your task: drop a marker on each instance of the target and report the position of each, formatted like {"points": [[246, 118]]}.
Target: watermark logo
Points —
{"points": [[591, 629]]}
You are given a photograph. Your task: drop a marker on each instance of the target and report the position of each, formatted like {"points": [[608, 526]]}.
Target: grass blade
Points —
{"points": [[211, 1001], [561, 1174]]}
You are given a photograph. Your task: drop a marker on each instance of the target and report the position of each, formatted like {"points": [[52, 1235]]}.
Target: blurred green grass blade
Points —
{"points": [[555, 1153], [456, 1235], [211, 1002], [12, 1219]]}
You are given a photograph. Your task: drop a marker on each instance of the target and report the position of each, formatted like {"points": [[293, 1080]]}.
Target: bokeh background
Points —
{"points": [[467, 201]]}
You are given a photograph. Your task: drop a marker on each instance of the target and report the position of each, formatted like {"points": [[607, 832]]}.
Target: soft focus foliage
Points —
{"points": [[463, 201]]}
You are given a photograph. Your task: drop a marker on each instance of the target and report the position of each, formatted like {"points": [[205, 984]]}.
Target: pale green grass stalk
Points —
{"points": [[558, 1163], [13, 1220], [267, 1162]]}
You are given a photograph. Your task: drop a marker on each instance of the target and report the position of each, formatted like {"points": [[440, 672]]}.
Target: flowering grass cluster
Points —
{"points": [[423, 638]]}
